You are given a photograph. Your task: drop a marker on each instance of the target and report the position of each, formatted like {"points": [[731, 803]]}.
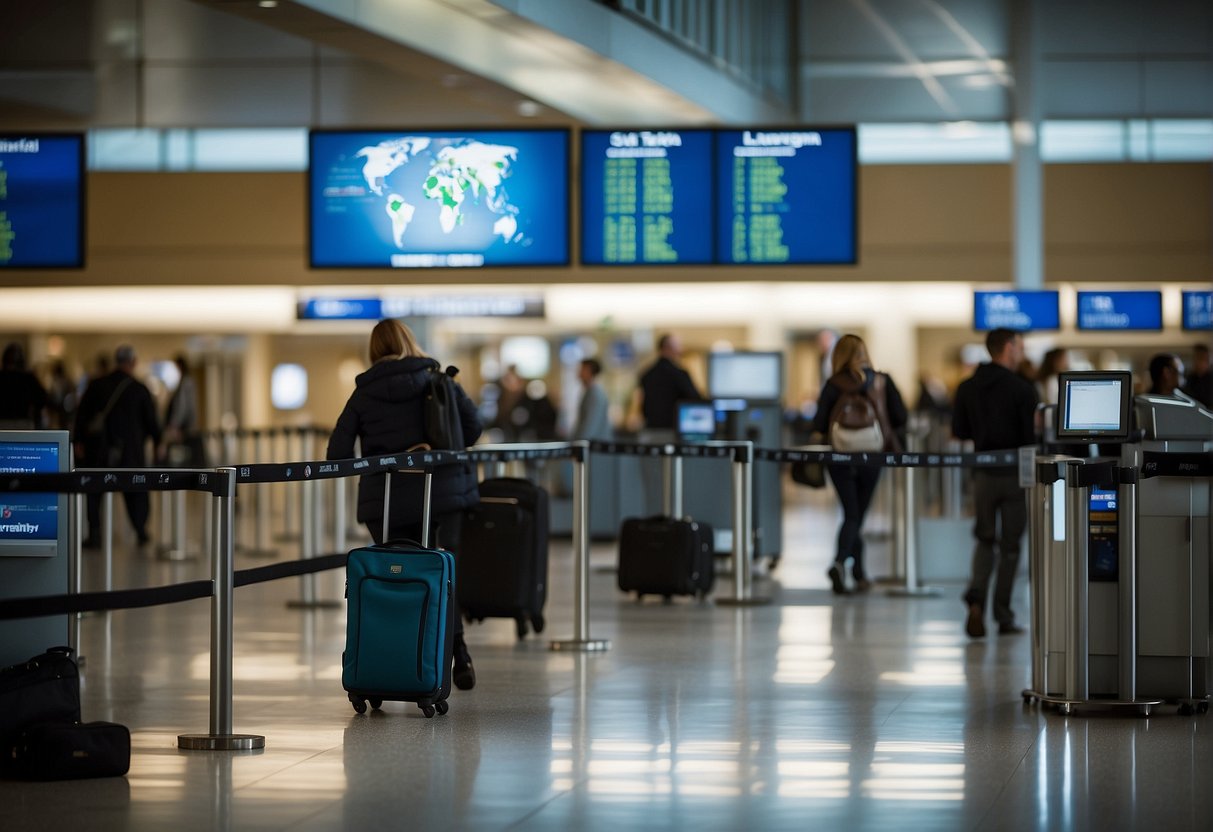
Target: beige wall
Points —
{"points": [[1117, 222]]}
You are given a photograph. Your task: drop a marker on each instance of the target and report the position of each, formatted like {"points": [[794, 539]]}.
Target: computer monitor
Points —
{"points": [[754, 376], [32, 525], [696, 421], [1094, 406]]}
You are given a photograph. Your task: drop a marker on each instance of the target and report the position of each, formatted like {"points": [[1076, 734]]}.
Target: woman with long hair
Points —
{"points": [[854, 377], [386, 412]]}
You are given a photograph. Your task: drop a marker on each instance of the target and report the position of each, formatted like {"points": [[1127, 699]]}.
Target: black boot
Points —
{"points": [[464, 675]]}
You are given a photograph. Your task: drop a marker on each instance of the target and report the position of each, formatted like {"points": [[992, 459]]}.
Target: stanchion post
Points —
{"points": [[107, 511], [221, 737], [1127, 578], [1077, 528], [743, 463], [581, 640], [76, 580], [908, 505], [671, 484], [261, 508], [339, 520], [164, 501]]}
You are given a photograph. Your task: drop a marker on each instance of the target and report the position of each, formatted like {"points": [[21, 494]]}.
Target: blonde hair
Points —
{"points": [[392, 339], [851, 356]]}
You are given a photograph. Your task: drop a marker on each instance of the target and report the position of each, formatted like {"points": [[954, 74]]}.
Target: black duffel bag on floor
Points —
{"points": [[72, 751], [44, 689]]}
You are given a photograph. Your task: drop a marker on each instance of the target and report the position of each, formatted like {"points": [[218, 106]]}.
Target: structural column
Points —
{"points": [[1027, 187]]}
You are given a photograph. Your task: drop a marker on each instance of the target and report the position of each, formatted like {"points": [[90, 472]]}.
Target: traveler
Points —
{"points": [[1200, 380], [855, 387], [996, 409], [386, 412], [183, 443], [593, 413], [664, 384], [1055, 361], [22, 396], [1166, 374], [115, 420]]}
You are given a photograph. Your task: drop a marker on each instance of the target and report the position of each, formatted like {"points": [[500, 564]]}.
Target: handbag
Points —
{"points": [[72, 751], [44, 689], [812, 474]]}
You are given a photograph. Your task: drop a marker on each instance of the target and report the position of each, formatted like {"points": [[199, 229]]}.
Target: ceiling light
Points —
{"points": [[529, 109], [268, 4]]}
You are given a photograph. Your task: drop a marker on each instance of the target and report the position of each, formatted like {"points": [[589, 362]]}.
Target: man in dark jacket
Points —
{"points": [[664, 384], [387, 412], [115, 419], [996, 409]]}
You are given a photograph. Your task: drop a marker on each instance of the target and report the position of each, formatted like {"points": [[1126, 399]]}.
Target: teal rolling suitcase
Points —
{"points": [[399, 626]]}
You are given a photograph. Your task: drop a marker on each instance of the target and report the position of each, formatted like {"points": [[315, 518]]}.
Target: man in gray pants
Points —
{"points": [[996, 408]]}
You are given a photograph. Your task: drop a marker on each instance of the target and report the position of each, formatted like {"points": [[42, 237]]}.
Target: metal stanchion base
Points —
{"points": [[287, 537], [220, 742], [914, 592], [1066, 707], [313, 605], [742, 602], [606, 570], [177, 555], [596, 645]]}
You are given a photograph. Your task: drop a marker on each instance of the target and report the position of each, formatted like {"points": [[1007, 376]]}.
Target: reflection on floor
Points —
{"points": [[864, 712]]}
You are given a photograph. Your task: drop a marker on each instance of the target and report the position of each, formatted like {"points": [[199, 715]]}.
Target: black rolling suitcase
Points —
{"points": [[663, 556], [503, 554]]}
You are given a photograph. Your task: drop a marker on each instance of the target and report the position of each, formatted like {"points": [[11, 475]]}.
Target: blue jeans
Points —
{"points": [[855, 487]]}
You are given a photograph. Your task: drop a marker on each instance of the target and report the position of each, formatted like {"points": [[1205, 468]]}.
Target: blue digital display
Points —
{"points": [[1120, 311], [1020, 311], [29, 516], [341, 309], [41, 201], [786, 196], [1102, 500], [1198, 311], [419, 199], [646, 197]]}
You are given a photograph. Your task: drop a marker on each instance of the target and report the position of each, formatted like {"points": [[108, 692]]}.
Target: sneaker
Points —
{"points": [[1010, 629], [862, 584], [836, 584], [463, 674], [975, 624]]}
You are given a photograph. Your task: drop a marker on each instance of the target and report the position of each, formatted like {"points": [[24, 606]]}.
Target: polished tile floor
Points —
{"points": [[814, 712]]}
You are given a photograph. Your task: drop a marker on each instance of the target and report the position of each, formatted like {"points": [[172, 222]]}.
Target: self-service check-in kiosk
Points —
{"points": [[1120, 558], [34, 557]]}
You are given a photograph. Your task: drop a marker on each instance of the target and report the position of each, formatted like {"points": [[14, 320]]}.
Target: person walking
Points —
{"points": [[854, 383], [386, 412], [996, 409], [116, 418], [22, 397], [593, 412]]}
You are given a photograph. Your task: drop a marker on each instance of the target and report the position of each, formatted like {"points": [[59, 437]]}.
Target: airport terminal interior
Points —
{"points": [[236, 191]]}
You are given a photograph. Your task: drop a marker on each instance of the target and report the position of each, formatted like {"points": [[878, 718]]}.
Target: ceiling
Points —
{"points": [[79, 64]]}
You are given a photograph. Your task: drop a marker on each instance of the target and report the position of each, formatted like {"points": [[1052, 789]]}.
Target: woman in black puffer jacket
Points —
{"points": [[387, 412]]}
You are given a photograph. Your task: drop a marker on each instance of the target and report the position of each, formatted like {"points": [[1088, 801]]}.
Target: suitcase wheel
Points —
{"points": [[520, 627], [375, 703], [537, 622], [359, 703], [428, 710], [442, 707]]}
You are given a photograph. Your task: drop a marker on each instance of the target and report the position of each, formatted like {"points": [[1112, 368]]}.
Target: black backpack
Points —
{"points": [[443, 430]]}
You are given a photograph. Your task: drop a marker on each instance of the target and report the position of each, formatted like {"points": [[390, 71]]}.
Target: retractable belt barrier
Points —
{"points": [[221, 484]]}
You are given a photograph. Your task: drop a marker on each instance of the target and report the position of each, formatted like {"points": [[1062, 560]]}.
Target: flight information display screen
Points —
{"points": [[27, 516], [646, 197], [420, 199], [41, 201], [1197, 311], [786, 196]]}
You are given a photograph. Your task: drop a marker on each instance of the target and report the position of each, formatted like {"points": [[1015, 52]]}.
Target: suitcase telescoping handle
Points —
{"points": [[425, 505]]}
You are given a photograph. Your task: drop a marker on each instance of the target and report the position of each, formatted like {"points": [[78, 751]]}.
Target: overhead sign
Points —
{"points": [[1198, 311], [1120, 311], [1020, 311], [425, 306]]}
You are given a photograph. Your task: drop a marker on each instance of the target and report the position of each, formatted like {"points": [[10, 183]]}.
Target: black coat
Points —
{"points": [[387, 412], [996, 409], [130, 423]]}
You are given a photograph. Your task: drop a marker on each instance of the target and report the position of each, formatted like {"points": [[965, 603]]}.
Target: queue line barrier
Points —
{"points": [[221, 483]]}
